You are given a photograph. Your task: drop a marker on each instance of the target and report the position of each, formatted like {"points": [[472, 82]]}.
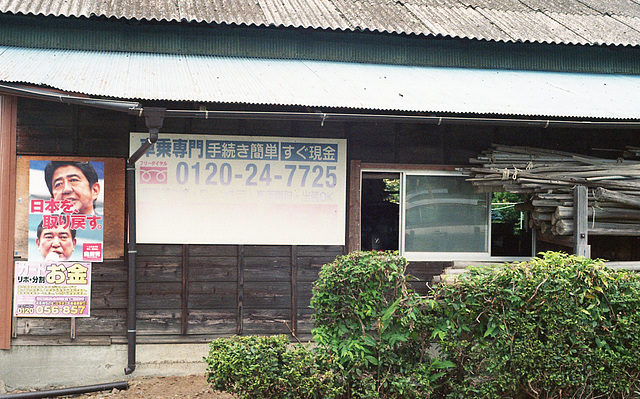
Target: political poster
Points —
{"points": [[66, 204]]}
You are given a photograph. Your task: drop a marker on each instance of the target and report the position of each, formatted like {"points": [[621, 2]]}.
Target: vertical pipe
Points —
{"points": [[132, 251], [154, 118]]}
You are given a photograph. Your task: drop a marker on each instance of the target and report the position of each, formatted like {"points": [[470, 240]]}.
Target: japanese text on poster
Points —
{"points": [[241, 190], [65, 211], [60, 289]]}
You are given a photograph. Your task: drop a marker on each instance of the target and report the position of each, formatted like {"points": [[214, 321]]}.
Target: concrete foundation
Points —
{"points": [[45, 367]]}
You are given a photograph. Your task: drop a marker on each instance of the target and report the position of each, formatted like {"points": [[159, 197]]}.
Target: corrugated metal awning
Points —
{"points": [[318, 84]]}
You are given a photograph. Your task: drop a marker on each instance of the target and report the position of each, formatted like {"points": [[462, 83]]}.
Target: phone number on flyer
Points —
{"points": [[211, 173], [51, 309]]}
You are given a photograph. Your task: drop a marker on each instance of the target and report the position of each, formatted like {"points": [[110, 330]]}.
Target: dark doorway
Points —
{"points": [[380, 211], [510, 232]]}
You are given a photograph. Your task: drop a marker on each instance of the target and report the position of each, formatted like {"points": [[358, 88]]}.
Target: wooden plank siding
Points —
{"points": [[211, 294], [197, 292]]}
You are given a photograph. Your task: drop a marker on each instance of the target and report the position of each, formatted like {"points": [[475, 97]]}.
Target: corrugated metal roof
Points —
{"points": [[594, 22], [323, 84]]}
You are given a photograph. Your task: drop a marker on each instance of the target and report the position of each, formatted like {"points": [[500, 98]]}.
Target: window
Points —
{"points": [[437, 214], [442, 217]]}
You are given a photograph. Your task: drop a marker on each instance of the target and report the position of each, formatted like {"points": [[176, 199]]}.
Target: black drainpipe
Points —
{"points": [[121, 385], [154, 118]]}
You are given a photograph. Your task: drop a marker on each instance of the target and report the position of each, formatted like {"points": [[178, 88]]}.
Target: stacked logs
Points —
{"points": [[547, 179]]}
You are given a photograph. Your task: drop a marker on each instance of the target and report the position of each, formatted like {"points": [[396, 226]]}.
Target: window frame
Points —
{"points": [[439, 256], [358, 168]]}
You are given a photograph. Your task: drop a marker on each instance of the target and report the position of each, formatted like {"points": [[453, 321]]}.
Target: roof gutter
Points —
{"points": [[51, 95], [326, 117], [135, 108]]}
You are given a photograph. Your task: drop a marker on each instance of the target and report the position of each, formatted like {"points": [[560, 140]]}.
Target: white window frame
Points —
{"points": [[439, 256]]}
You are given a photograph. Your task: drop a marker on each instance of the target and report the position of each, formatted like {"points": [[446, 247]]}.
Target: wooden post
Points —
{"points": [[580, 207], [240, 290], [184, 313], [8, 123], [355, 212], [294, 290]]}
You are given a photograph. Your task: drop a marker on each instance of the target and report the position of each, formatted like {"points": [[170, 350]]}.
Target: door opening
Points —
{"points": [[510, 232], [380, 211]]}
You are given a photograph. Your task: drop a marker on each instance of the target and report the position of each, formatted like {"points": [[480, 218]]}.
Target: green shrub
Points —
{"points": [[555, 327], [367, 317], [255, 367]]}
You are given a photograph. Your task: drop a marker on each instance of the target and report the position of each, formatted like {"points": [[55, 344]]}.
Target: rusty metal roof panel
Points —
{"points": [[323, 84]]}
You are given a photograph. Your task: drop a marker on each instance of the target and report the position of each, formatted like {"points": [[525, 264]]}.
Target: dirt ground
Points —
{"points": [[187, 387]]}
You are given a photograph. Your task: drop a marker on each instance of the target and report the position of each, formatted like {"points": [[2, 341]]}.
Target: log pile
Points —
{"points": [[547, 179]]}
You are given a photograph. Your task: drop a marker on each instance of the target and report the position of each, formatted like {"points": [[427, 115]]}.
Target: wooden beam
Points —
{"points": [[567, 227], [603, 193], [8, 122]]}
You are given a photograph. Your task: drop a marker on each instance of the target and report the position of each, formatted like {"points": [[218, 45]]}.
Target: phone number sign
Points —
{"points": [[241, 190], [58, 289]]}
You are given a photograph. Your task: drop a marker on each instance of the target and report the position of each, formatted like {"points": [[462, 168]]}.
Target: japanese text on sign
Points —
{"points": [[263, 190], [52, 289], [66, 207]]}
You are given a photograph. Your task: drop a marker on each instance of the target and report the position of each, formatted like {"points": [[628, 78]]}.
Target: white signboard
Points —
{"points": [[240, 190]]}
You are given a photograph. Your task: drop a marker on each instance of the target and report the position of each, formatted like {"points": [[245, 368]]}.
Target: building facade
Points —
{"points": [[243, 148]]}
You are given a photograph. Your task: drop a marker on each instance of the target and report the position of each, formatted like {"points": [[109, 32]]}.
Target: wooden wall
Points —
{"points": [[196, 292]]}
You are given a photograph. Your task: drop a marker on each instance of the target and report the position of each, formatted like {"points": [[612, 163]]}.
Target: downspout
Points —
{"points": [[154, 118]]}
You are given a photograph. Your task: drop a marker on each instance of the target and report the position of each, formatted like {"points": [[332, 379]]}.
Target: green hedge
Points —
{"points": [[558, 326], [367, 317], [254, 367]]}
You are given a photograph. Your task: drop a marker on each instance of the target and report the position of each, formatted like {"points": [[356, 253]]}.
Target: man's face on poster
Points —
{"points": [[69, 183], [56, 244]]}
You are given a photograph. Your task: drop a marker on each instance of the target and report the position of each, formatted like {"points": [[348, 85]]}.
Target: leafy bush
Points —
{"points": [[255, 367], [559, 326], [367, 317], [554, 327]]}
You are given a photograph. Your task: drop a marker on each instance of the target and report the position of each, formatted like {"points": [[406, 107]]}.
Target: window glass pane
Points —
{"points": [[444, 214]]}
